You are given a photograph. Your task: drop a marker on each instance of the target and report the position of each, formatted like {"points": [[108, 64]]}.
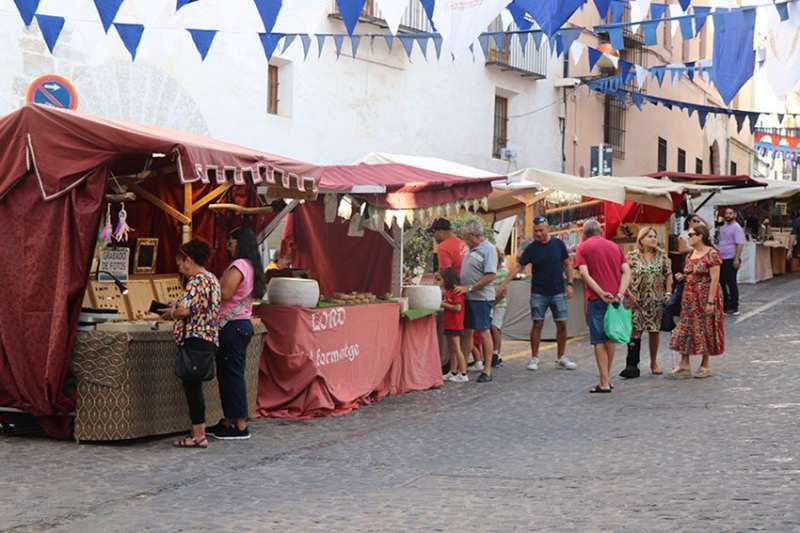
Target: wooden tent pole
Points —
{"points": [[187, 212]]}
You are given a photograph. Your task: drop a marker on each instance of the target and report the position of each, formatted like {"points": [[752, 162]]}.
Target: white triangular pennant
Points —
{"points": [[392, 12], [576, 51]]}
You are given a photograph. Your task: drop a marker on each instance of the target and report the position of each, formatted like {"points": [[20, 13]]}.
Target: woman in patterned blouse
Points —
{"points": [[196, 316]]}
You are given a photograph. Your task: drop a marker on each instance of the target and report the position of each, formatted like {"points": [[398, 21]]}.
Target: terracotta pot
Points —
{"points": [[423, 296], [293, 291]]}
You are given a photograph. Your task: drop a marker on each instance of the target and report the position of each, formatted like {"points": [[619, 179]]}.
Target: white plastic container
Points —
{"points": [[423, 296], [293, 291]]}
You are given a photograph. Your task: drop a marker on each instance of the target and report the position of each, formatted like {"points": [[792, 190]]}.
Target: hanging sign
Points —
{"points": [[54, 91], [115, 261]]}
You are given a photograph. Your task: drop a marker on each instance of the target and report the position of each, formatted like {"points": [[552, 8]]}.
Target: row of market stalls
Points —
{"points": [[79, 349]]}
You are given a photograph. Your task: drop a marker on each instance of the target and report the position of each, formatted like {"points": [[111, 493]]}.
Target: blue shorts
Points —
{"points": [[557, 304], [478, 315], [595, 315]]}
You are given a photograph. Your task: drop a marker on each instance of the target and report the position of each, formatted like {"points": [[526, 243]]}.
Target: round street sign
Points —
{"points": [[54, 91]]}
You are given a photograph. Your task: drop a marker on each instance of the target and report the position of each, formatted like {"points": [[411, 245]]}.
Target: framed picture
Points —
{"points": [[145, 260]]}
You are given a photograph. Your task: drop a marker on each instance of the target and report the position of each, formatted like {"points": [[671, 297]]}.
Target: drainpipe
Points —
{"points": [[563, 125]]}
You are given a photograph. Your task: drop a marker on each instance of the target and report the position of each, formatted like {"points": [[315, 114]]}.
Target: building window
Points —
{"points": [[662, 154], [614, 126], [500, 139], [681, 160], [733, 169], [698, 166], [272, 90]]}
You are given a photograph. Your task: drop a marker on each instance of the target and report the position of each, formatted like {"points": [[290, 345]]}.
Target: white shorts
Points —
{"points": [[498, 317]]}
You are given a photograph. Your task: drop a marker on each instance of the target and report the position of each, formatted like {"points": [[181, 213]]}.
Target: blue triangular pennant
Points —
{"points": [[685, 4], [739, 116], [287, 41], [268, 10], [51, 29], [624, 70], [602, 7], [108, 9], [428, 5], [131, 35], [389, 38], [523, 42], [594, 57], [690, 109], [519, 16], [538, 35], [700, 16], [659, 73], [780, 118], [202, 40], [690, 67], [483, 39], [650, 30], [437, 43], [320, 43], [617, 38], [617, 11], [355, 41], [27, 9], [550, 14], [676, 74], [753, 119], [350, 11], [306, 40], [637, 100], [734, 57], [783, 11], [338, 42], [182, 3], [422, 41], [270, 43], [408, 44], [569, 36], [499, 39], [657, 11], [687, 31]]}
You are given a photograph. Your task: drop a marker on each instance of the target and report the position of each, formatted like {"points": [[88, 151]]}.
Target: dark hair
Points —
{"points": [[704, 233], [247, 248], [687, 222], [450, 278], [197, 250]]}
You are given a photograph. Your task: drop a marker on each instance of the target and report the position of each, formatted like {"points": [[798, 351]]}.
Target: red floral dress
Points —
{"points": [[698, 333]]}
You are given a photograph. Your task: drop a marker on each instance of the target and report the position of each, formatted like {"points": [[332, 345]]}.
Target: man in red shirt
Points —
{"points": [[450, 250], [606, 274]]}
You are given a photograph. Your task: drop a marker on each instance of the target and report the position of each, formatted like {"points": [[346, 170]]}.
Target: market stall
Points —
{"points": [[79, 347]]}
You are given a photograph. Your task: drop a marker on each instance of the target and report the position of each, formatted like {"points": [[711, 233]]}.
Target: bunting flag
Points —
{"points": [[27, 9], [306, 40], [657, 11], [519, 17], [392, 12], [602, 7], [350, 11], [437, 43], [287, 41], [734, 58], [568, 36], [650, 30], [594, 57], [131, 35], [684, 4], [617, 10], [50, 27], [460, 23], [320, 44], [687, 31], [550, 14], [182, 3], [783, 55], [355, 41], [783, 11], [202, 41], [700, 15], [429, 7], [389, 38], [422, 42], [338, 42], [269, 41], [108, 9], [408, 44], [268, 11]]}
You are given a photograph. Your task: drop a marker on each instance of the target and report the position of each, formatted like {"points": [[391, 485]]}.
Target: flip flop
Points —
{"points": [[597, 389], [193, 443]]}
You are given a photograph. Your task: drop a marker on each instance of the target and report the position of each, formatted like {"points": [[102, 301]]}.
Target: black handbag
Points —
{"points": [[195, 363]]}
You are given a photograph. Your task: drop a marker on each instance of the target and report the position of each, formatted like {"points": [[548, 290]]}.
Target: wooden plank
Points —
{"points": [[277, 220], [210, 197], [240, 209], [158, 202]]}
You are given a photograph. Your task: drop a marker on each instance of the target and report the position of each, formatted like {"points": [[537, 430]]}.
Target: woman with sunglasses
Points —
{"points": [[700, 330]]}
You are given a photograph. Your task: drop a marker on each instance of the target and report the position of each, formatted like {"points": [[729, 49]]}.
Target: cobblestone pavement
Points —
{"points": [[532, 451]]}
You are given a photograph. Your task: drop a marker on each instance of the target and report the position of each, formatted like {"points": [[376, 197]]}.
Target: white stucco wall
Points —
{"points": [[331, 111]]}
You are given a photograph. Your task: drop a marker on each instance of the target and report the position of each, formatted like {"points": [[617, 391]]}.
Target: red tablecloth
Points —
{"points": [[323, 362]]}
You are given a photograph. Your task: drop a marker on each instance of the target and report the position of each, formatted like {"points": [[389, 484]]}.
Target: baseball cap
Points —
{"points": [[440, 224]]}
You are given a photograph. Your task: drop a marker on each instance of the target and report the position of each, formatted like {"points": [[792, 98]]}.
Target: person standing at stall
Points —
{"points": [[499, 311], [551, 287], [450, 250], [606, 274], [650, 288], [453, 305], [731, 244], [242, 281], [700, 330], [196, 316], [478, 271]]}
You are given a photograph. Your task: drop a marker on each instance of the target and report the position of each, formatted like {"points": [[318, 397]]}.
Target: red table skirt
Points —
{"points": [[326, 362]]}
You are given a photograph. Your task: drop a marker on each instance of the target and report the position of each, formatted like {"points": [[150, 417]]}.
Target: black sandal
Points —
{"points": [[597, 389], [193, 443]]}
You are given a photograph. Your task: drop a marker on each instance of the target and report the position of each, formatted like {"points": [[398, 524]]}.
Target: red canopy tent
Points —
{"points": [[55, 167], [364, 264]]}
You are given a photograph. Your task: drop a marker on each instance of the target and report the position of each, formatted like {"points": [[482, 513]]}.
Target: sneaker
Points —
{"points": [[533, 364], [477, 366], [736, 313], [448, 377], [232, 433], [219, 426], [484, 378], [497, 361], [566, 363], [460, 378]]}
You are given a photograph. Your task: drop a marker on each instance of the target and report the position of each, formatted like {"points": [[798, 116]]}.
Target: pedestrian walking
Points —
{"points": [[478, 271], [454, 308], [196, 329], [731, 244], [241, 282], [700, 330], [499, 311], [649, 290], [606, 276], [551, 287]]}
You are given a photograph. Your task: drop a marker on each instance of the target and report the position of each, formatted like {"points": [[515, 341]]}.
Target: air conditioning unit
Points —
{"points": [[507, 154]]}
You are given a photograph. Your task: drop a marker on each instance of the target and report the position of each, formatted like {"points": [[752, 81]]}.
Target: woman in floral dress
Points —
{"points": [[650, 288], [700, 330]]}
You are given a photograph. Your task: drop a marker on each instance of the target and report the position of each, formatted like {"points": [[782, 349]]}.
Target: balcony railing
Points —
{"points": [[528, 62], [415, 19]]}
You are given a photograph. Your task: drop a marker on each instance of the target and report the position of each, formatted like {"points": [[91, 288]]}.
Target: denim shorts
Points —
{"points": [[479, 315], [557, 304], [595, 315]]}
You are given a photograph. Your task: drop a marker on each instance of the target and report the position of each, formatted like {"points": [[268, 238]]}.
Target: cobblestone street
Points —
{"points": [[533, 451]]}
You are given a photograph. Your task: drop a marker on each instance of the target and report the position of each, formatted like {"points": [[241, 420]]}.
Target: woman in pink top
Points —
{"points": [[241, 283]]}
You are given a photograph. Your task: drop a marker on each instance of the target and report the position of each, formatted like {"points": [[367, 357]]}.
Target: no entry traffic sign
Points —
{"points": [[54, 91]]}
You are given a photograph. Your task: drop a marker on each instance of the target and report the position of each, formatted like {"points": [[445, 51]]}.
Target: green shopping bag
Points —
{"points": [[618, 324]]}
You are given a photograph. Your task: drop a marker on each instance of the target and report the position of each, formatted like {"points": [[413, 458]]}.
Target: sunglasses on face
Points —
{"points": [[692, 234], [539, 219]]}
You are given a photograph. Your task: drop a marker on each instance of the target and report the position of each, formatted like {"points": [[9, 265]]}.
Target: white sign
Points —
{"points": [[115, 261]]}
